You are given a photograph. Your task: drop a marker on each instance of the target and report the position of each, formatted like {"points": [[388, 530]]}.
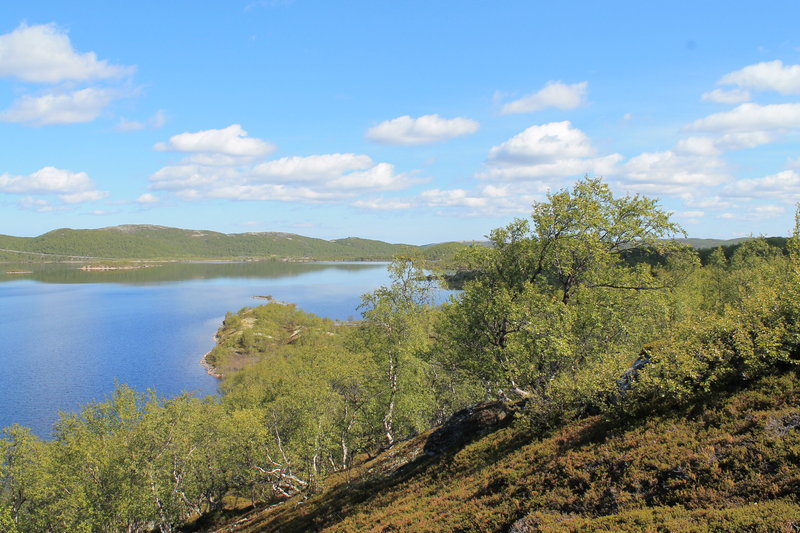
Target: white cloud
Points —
{"points": [[721, 96], [380, 177], [673, 173], [555, 94], [542, 144], [755, 213], [488, 201], [81, 197], [427, 129], [156, 122], [316, 178], [69, 187], [705, 201], [751, 117], [46, 181], [148, 198], [37, 204], [44, 54], [717, 145], [552, 150], [382, 204], [697, 146], [690, 217], [766, 76], [312, 168], [129, 125], [784, 185], [84, 105], [453, 197], [192, 176], [231, 141], [768, 211]]}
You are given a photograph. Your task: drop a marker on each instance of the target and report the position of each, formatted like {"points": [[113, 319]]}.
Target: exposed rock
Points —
{"points": [[467, 425]]}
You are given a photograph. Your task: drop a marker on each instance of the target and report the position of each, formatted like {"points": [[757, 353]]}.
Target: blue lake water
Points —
{"points": [[66, 335]]}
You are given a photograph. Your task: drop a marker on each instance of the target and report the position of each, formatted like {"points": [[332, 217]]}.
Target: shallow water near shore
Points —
{"points": [[68, 335]]}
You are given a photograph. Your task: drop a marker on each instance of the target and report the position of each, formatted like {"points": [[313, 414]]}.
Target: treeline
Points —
{"points": [[158, 242], [556, 319]]}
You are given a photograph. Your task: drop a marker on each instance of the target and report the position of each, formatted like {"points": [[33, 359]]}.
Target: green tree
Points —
{"points": [[516, 325], [396, 326]]}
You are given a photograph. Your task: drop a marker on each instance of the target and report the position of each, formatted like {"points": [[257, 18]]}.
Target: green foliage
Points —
{"points": [[555, 291], [396, 331]]}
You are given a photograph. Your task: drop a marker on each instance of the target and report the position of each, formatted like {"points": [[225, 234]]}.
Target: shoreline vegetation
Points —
{"points": [[592, 374]]}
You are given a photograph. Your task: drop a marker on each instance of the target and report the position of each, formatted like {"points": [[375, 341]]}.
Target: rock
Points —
{"points": [[467, 425]]}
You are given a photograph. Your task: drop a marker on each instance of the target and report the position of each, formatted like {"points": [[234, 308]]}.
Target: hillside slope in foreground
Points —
{"points": [[729, 465]]}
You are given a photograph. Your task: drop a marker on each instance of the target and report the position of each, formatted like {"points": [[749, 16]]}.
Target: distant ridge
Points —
{"points": [[146, 241]]}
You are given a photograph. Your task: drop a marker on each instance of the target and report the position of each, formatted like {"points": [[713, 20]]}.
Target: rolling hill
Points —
{"points": [[160, 242]]}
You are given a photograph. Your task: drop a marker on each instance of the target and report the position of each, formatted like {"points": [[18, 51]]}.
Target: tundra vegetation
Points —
{"points": [[649, 388]]}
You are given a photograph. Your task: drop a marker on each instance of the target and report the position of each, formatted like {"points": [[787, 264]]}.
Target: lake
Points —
{"points": [[68, 335]]}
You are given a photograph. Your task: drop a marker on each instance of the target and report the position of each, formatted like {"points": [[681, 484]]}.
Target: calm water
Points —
{"points": [[67, 335]]}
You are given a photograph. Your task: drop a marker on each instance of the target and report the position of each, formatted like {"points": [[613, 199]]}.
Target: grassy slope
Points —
{"points": [[152, 242], [727, 466]]}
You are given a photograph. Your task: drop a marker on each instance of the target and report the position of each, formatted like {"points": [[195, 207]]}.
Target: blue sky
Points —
{"points": [[412, 121]]}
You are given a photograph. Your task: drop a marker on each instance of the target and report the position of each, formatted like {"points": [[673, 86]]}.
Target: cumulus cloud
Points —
{"points": [[148, 198], [227, 164], [46, 181], [69, 187], [84, 105], [230, 141], [766, 76], [453, 197], [546, 151], [783, 185], [310, 168], [751, 117], [382, 204], [44, 54], [555, 94], [721, 96], [723, 143], [674, 173], [489, 200], [427, 129], [539, 144]]}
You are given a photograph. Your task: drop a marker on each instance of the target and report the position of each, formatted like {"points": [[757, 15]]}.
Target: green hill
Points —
{"points": [[159, 242]]}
